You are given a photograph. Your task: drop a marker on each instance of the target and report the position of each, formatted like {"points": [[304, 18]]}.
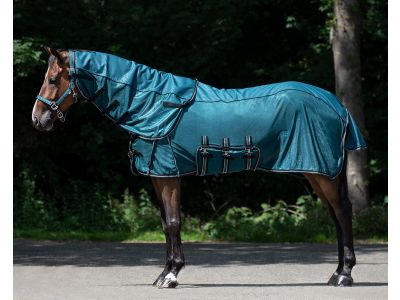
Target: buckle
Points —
{"points": [[132, 153], [204, 152], [226, 155], [75, 96], [248, 153], [60, 115], [54, 106]]}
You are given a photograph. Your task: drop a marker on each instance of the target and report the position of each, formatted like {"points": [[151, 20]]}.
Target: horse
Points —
{"points": [[163, 113]]}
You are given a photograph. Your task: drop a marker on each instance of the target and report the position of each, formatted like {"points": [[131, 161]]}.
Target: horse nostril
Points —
{"points": [[35, 121]]}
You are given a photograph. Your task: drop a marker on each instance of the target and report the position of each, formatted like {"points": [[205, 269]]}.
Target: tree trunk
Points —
{"points": [[346, 54]]}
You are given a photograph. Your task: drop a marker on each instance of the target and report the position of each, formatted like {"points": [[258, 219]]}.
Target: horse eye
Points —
{"points": [[53, 80]]}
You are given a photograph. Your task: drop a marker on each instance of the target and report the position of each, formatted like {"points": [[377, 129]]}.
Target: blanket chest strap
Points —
{"points": [[204, 154], [225, 155], [248, 155]]}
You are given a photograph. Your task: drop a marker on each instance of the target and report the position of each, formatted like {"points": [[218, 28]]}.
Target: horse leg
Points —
{"points": [[335, 192], [167, 267], [168, 191], [339, 234]]}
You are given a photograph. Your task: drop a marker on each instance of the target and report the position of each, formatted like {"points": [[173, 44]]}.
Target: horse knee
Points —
{"points": [[172, 226]]}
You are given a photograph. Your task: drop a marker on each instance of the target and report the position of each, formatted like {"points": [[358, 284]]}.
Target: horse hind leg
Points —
{"points": [[334, 195], [339, 235]]}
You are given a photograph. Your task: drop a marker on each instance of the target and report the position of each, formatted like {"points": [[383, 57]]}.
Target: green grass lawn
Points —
{"points": [[148, 236], [102, 236]]}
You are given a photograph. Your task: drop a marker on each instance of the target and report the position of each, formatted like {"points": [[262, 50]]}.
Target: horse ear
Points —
{"points": [[48, 50], [52, 51]]}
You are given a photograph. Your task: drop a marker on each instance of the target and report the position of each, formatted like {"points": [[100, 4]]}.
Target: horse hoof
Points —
{"points": [[158, 280], [169, 281], [332, 281], [340, 280]]}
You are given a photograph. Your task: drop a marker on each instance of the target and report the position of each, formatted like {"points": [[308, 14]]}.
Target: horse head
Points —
{"points": [[57, 93]]}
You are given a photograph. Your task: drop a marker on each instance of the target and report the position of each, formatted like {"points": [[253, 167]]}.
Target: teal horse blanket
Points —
{"points": [[181, 126]]}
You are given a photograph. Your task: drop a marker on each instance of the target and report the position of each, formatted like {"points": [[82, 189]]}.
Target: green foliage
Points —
{"points": [[26, 57], [83, 209], [90, 212], [372, 222], [30, 208], [94, 214], [307, 221]]}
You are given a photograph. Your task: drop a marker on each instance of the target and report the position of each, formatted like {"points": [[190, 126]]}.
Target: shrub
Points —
{"points": [[30, 209], [307, 221], [372, 222], [83, 208]]}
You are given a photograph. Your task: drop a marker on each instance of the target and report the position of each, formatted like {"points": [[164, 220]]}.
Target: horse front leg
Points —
{"points": [[167, 267], [168, 191]]}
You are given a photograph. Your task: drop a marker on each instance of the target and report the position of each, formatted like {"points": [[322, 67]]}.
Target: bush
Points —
{"points": [[372, 222], [307, 221], [30, 209], [83, 208]]}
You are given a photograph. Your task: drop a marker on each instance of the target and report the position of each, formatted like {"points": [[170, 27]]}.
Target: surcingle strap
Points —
{"points": [[204, 154], [248, 151], [132, 153], [225, 155]]}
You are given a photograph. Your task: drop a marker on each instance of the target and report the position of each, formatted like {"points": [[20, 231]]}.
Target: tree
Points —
{"points": [[346, 53]]}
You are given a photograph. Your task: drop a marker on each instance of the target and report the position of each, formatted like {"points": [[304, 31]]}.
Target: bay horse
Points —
{"points": [[165, 114]]}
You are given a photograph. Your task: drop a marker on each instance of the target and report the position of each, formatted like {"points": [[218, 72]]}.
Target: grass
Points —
{"points": [[147, 236], [37, 234]]}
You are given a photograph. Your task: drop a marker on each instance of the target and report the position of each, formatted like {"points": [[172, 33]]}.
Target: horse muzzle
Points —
{"points": [[43, 122]]}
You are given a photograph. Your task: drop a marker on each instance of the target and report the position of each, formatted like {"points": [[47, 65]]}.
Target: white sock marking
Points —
{"points": [[171, 276]]}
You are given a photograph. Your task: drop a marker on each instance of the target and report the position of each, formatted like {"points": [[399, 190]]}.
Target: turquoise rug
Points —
{"points": [[180, 126]]}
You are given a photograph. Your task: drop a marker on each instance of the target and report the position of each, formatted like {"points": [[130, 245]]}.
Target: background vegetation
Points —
{"points": [[76, 179]]}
